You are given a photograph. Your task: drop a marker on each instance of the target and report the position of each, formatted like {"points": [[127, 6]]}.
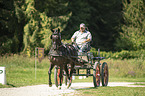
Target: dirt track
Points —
{"points": [[44, 90]]}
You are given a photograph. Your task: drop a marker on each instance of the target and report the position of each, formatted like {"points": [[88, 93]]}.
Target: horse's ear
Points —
{"points": [[58, 30], [51, 37], [52, 30]]}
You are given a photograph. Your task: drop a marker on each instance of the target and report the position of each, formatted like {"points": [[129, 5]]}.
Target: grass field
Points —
{"points": [[20, 71], [112, 91]]}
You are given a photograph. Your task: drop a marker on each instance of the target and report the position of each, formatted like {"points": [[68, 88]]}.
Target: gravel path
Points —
{"points": [[45, 90]]}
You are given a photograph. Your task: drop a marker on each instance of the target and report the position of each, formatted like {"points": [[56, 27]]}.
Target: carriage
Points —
{"points": [[60, 56], [86, 61]]}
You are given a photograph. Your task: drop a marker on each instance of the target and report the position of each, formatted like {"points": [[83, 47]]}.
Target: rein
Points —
{"points": [[56, 51], [58, 46]]}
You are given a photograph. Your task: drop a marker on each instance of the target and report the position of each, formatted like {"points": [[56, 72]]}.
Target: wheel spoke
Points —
{"points": [[96, 77], [104, 74], [58, 76]]}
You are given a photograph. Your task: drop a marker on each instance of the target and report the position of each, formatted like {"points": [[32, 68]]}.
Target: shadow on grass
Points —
{"points": [[85, 88], [8, 85], [11, 85]]}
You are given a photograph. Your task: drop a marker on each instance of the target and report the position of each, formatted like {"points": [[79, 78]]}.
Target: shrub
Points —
{"points": [[126, 68], [124, 54]]}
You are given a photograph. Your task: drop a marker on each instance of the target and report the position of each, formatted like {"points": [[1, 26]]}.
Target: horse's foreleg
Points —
{"points": [[60, 75], [49, 73], [70, 75]]}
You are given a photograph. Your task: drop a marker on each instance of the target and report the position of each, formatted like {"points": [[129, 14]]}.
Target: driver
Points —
{"points": [[82, 38]]}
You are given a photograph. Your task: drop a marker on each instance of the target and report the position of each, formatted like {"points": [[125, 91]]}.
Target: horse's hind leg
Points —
{"points": [[49, 73], [66, 71]]}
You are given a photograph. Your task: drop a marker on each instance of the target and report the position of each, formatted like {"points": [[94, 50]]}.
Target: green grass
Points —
{"points": [[111, 91], [23, 77], [126, 79], [142, 83], [20, 71], [126, 68]]}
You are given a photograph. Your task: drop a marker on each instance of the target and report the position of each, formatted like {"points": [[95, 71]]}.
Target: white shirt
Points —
{"points": [[80, 37]]}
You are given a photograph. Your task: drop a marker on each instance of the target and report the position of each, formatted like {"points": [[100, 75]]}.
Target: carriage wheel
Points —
{"points": [[56, 77], [104, 74], [96, 74]]}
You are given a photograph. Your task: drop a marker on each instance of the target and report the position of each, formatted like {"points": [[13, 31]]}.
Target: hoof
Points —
{"points": [[70, 81], [50, 85], [68, 85], [59, 87]]}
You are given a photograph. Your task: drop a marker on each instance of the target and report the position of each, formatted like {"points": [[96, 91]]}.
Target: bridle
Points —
{"points": [[56, 40]]}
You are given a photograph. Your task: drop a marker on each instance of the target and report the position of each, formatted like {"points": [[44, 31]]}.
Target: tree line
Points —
{"points": [[115, 24]]}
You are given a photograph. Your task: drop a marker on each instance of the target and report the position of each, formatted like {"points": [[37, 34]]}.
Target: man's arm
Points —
{"points": [[88, 40], [74, 36]]}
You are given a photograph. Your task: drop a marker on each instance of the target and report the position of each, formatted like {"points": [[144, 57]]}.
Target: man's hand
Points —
{"points": [[84, 42], [88, 40], [72, 39]]}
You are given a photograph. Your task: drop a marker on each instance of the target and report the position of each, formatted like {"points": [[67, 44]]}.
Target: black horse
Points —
{"points": [[61, 55]]}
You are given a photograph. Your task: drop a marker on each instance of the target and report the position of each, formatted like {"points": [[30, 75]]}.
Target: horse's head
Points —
{"points": [[56, 38]]}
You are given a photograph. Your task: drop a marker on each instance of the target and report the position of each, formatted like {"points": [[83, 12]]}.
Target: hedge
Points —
{"points": [[124, 54]]}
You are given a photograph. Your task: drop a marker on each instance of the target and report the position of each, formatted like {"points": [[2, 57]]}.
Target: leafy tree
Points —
{"points": [[104, 22], [132, 36], [42, 16], [101, 17], [80, 14], [26, 24], [11, 29]]}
